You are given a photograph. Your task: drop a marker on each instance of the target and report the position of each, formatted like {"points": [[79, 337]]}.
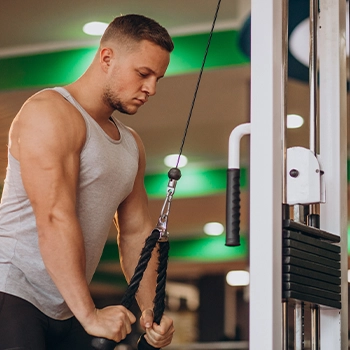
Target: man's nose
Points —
{"points": [[150, 88]]}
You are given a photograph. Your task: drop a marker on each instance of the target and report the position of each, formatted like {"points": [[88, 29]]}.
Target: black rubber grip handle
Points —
{"points": [[103, 344], [107, 344], [233, 208], [146, 253]]}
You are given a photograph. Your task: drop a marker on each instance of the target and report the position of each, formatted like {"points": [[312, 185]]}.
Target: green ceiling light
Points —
{"points": [[193, 183], [196, 249], [95, 28], [55, 68], [188, 52], [171, 160], [40, 70], [205, 249]]}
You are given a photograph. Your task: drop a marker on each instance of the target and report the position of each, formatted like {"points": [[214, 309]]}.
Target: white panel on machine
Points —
{"points": [[304, 177]]}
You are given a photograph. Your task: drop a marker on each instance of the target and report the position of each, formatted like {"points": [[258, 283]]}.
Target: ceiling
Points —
{"points": [[222, 102], [40, 22]]}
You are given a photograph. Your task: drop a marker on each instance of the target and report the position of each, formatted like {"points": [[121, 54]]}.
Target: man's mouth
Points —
{"points": [[142, 100]]}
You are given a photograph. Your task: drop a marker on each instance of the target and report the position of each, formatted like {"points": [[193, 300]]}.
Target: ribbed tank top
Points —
{"points": [[107, 173]]}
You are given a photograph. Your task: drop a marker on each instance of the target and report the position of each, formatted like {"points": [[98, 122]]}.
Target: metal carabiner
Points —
{"points": [[162, 224]]}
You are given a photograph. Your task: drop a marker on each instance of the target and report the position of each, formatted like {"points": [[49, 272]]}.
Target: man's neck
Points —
{"points": [[90, 98]]}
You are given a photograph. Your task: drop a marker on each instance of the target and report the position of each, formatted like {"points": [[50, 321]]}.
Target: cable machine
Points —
{"points": [[298, 232], [298, 196]]}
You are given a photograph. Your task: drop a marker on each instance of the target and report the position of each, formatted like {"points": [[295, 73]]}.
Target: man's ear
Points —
{"points": [[106, 55]]}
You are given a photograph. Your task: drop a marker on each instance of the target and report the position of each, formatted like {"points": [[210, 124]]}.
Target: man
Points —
{"points": [[71, 168]]}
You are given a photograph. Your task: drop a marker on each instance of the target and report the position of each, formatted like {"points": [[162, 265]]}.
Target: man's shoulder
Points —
{"points": [[46, 99], [47, 103]]}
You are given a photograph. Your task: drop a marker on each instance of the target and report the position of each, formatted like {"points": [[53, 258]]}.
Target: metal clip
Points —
{"points": [[163, 218]]}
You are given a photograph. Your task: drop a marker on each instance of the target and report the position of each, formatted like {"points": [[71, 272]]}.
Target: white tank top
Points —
{"points": [[107, 173]]}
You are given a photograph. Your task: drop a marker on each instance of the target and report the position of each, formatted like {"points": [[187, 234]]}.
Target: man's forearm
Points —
{"points": [[62, 249], [130, 249], [147, 289]]}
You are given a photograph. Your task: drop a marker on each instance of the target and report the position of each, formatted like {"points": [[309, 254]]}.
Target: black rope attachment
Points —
{"points": [[158, 236]]}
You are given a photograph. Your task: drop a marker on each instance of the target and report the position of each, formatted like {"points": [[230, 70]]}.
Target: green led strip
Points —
{"points": [[203, 249], [63, 67], [192, 249], [193, 183], [207, 249], [189, 51], [46, 69]]}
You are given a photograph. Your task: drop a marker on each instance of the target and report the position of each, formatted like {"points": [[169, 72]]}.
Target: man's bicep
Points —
{"points": [[49, 164], [133, 213]]}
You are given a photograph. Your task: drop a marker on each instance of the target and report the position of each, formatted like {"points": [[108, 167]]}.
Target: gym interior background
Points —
{"points": [[42, 44]]}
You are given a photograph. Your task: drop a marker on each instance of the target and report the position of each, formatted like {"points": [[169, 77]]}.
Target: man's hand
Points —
{"points": [[112, 322], [160, 335]]}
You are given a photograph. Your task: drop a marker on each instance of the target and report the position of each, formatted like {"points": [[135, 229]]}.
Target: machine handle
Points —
{"points": [[107, 344], [233, 208], [103, 344], [145, 256]]}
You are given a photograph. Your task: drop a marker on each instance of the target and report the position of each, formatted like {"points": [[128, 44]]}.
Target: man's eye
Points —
{"points": [[143, 74]]}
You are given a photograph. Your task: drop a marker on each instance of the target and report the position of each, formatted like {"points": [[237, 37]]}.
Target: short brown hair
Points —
{"points": [[137, 28]]}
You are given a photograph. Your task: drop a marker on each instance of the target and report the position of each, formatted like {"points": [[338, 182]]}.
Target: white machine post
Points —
{"points": [[266, 176], [266, 169], [333, 150]]}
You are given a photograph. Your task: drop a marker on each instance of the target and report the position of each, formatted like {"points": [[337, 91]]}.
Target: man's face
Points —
{"points": [[133, 76]]}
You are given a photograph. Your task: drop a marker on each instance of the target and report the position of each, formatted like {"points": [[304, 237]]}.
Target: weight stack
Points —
{"points": [[310, 267]]}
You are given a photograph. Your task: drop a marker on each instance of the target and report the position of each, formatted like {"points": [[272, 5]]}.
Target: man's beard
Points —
{"points": [[114, 102]]}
